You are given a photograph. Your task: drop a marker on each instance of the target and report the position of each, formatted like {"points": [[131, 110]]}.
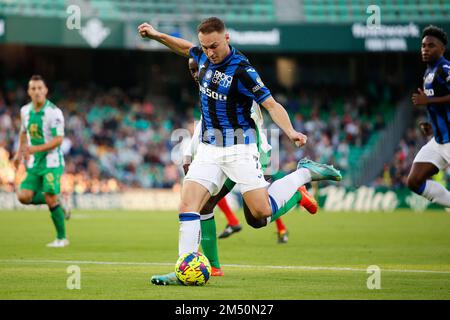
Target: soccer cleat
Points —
{"points": [[216, 272], [320, 171], [64, 202], [283, 236], [58, 243], [169, 279], [308, 201], [229, 230]]}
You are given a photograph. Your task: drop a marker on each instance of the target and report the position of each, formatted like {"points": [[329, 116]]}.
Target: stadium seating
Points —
{"points": [[345, 11], [258, 11], [231, 10]]}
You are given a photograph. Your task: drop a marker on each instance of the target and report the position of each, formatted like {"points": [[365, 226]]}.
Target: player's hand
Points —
{"points": [[298, 138], [419, 99], [186, 163], [17, 159], [146, 30], [31, 150]]}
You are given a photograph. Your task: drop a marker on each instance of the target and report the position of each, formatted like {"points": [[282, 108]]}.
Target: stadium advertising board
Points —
{"points": [[96, 33], [331, 199], [92, 33]]}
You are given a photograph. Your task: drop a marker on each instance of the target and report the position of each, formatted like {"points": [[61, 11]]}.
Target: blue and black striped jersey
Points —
{"points": [[436, 83], [227, 91]]}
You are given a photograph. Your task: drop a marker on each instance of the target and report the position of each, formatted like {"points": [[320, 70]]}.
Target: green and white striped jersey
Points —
{"points": [[41, 127]]}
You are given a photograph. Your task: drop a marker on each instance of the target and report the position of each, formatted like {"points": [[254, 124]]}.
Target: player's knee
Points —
{"points": [[186, 206], [255, 223], [51, 200], [24, 198], [262, 210]]}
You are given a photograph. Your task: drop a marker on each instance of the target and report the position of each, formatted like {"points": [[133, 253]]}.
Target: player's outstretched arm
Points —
{"points": [[177, 45], [281, 118]]}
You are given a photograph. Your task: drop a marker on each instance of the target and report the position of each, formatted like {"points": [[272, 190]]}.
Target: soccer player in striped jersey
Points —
{"points": [[41, 135], [208, 225], [228, 85], [435, 95]]}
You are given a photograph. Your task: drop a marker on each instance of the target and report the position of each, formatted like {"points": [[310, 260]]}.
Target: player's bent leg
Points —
{"points": [[25, 196], [251, 220], [419, 182], [258, 203], [419, 174]]}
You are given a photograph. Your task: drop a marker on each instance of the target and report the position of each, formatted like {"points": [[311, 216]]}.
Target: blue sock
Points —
{"points": [[421, 188]]}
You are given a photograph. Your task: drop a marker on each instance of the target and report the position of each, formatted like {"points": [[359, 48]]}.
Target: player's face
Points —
{"points": [[37, 90], [432, 49], [193, 69], [215, 45]]}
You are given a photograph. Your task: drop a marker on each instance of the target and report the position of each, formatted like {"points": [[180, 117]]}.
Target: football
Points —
{"points": [[193, 269]]}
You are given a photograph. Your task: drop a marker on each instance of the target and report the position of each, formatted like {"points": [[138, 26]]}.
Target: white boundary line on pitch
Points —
{"points": [[311, 268]]}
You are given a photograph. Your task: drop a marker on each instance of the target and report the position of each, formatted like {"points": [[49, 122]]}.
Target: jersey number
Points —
{"points": [[34, 131]]}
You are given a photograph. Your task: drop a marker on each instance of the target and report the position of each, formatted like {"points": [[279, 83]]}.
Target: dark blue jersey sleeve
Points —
{"points": [[195, 53], [250, 84], [443, 78]]}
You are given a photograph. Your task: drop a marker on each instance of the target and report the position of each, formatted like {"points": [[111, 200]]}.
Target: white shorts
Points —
{"points": [[435, 153], [213, 165]]}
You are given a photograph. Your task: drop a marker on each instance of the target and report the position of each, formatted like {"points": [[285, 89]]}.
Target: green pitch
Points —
{"points": [[326, 258]]}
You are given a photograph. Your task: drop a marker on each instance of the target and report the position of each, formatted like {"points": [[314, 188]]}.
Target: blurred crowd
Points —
{"points": [[117, 139]]}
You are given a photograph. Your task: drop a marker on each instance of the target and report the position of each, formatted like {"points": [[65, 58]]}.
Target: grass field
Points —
{"points": [[326, 257]]}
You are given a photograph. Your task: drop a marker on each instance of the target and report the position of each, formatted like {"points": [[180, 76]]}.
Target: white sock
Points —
{"points": [[283, 189], [208, 216], [190, 232], [436, 193]]}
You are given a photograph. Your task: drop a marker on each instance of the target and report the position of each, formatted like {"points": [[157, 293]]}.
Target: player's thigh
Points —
{"points": [[32, 182], [432, 153], [193, 196], [257, 201], [52, 181], [207, 173], [421, 172]]}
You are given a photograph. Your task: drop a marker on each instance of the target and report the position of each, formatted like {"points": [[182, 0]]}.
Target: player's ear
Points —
{"points": [[227, 37]]}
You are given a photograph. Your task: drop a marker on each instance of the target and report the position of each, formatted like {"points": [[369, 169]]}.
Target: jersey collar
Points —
{"points": [[42, 109]]}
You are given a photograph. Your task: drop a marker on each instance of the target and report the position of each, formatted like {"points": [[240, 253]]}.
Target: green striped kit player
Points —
{"points": [[41, 135]]}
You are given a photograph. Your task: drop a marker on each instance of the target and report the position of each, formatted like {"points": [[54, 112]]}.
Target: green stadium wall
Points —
{"points": [[252, 37]]}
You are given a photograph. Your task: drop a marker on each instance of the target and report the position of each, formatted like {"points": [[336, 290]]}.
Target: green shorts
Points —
{"points": [[48, 180], [264, 158]]}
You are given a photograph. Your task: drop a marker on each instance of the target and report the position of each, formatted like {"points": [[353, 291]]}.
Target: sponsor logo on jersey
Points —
{"points": [[259, 86], [212, 94], [222, 79], [429, 78]]}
